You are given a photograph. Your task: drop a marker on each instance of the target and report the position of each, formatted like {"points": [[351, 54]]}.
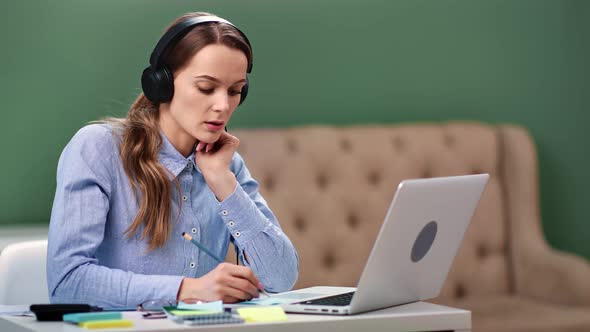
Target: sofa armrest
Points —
{"points": [[538, 270], [553, 276]]}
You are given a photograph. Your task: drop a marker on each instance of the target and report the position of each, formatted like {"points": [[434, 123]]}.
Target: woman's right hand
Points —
{"points": [[228, 282]]}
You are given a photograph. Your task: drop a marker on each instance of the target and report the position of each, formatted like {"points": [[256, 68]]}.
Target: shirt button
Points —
{"points": [[188, 166], [184, 197], [231, 223], [192, 265], [194, 230], [237, 234], [224, 212]]}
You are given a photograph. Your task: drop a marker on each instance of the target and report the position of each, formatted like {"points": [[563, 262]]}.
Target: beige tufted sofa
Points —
{"points": [[330, 188]]}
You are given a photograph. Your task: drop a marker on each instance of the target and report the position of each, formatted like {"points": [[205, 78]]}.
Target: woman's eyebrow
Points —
{"points": [[211, 78]]}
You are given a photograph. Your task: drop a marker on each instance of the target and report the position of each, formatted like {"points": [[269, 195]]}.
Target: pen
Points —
{"points": [[190, 238]]}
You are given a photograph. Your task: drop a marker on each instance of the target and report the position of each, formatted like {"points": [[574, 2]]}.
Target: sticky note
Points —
{"points": [[216, 306], [192, 312], [262, 314], [105, 324], [88, 316]]}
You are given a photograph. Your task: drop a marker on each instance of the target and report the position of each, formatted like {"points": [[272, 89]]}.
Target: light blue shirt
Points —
{"points": [[90, 260]]}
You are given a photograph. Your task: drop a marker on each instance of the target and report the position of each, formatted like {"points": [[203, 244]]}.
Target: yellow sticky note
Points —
{"points": [[192, 312], [263, 314], [105, 324]]}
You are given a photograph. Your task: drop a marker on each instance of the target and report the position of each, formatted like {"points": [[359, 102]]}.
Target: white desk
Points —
{"points": [[419, 316]]}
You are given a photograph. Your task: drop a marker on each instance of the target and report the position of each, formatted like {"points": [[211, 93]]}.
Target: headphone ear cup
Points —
{"points": [[157, 85], [244, 91], [149, 84]]}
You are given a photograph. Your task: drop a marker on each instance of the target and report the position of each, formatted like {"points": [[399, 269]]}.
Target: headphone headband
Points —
{"points": [[175, 33], [157, 81]]}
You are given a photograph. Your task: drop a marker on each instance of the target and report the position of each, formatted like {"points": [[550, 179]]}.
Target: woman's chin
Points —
{"points": [[208, 137]]}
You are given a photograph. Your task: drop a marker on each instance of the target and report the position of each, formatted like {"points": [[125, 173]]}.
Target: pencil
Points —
{"points": [[190, 238]]}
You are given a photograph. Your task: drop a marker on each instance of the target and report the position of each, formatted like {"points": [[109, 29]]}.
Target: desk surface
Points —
{"points": [[418, 316]]}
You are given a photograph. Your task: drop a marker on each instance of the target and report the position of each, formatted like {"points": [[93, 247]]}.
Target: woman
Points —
{"points": [[128, 188]]}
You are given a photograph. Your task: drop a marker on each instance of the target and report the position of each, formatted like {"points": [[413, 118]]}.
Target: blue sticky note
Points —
{"points": [[216, 306], [91, 316]]}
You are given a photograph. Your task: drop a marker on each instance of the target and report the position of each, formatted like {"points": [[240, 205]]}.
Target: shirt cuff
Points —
{"points": [[241, 216], [152, 287]]}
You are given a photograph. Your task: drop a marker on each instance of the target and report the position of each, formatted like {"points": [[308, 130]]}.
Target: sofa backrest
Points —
{"points": [[330, 188]]}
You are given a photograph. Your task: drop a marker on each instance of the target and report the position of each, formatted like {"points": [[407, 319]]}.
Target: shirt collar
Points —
{"points": [[173, 160]]}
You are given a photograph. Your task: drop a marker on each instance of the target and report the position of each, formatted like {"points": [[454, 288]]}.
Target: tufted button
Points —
{"points": [[448, 140], [300, 224], [373, 178], [352, 220], [459, 291], [398, 143], [345, 145], [269, 183], [322, 181], [482, 251], [504, 250], [292, 146], [329, 260]]}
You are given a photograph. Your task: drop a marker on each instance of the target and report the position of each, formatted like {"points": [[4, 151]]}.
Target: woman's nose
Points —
{"points": [[221, 102]]}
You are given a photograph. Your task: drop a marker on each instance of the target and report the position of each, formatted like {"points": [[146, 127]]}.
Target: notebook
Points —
{"points": [[205, 318]]}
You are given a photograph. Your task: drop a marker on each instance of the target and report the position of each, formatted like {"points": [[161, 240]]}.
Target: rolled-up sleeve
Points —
{"points": [[78, 217], [257, 233]]}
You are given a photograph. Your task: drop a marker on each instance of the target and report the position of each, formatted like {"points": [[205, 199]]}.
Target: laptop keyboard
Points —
{"points": [[336, 300]]}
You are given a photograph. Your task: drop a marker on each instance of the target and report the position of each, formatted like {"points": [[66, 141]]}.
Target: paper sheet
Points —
{"points": [[278, 299]]}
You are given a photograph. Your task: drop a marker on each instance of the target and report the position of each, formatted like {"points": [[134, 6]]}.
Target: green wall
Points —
{"points": [[316, 61]]}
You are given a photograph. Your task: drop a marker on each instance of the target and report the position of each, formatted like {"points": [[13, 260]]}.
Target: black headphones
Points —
{"points": [[157, 80]]}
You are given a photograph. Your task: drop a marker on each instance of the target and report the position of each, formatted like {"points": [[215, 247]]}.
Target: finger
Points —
{"points": [[227, 134], [230, 299], [245, 272], [239, 294], [243, 285], [199, 146], [227, 138]]}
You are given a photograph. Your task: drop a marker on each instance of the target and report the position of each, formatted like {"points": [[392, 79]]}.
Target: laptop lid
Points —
{"points": [[418, 241]]}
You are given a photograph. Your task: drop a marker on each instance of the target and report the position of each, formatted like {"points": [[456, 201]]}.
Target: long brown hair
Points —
{"points": [[141, 140]]}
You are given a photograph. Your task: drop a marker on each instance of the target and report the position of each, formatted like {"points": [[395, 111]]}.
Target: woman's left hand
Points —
{"points": [[214, 159]]}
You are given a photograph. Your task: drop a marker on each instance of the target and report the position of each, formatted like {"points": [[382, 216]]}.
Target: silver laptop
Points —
{"points": [[414, 250]]}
